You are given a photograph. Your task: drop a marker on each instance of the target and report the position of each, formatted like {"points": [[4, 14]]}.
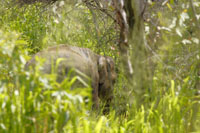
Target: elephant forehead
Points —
{"points": [[102, 61]]}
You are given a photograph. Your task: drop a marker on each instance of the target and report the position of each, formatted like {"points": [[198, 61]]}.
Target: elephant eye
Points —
{"points": [[114, 81], [100, 85]]}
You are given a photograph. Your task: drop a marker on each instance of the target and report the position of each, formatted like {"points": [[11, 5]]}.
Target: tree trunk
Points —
{"points": [[132, 48]]}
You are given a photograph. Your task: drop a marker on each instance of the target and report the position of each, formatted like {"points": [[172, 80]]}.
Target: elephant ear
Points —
{"points": [[102, 68]]}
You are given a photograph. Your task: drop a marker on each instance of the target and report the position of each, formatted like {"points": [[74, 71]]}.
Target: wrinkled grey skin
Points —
{"points": [[99, 69]]}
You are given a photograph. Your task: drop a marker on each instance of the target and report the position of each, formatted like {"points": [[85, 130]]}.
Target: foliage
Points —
{"points": [[28, 20], [34, 102], [75, 24]]}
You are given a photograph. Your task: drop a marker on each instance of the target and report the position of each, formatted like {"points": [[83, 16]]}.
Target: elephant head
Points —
{"points": [[107, 77]]}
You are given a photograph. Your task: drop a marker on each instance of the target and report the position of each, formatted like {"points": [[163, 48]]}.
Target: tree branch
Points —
{"points": [[194, 13]]}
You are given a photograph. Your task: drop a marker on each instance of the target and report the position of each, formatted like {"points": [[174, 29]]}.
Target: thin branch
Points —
{"points": [[194, 12], [101, 9]]}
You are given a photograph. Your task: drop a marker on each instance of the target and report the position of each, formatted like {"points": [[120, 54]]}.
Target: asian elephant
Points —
{"points": [[99, 69]]}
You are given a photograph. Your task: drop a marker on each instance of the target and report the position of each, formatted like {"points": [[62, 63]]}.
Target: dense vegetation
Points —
{"points": [[34, 102]]}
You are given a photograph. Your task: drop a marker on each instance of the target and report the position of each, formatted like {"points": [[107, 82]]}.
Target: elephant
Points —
{"points": [[100, 69]]}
